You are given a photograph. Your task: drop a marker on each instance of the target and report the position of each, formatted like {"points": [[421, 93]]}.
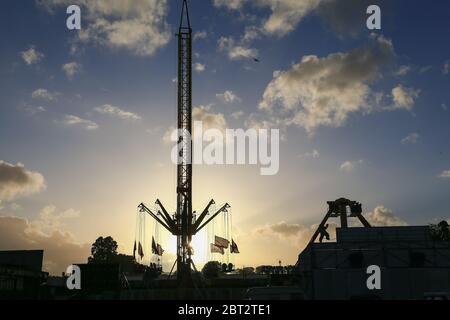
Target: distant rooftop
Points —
{"points": [[27, 259]]}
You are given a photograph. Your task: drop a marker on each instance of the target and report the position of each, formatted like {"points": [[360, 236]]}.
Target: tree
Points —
{"points": [[211, 270], [247, 271], [104, 250], [224, 267], [440, 232], [444, 230]]}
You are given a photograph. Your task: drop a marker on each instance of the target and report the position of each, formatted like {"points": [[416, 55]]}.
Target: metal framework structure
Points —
{"points": [[339, 209], [184, 224]]}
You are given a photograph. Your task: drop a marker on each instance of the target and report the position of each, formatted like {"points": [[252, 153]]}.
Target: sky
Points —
{"points": [[84, 116]]}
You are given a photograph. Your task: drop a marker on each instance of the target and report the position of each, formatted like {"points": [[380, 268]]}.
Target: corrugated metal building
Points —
{"points": [[21, 274], [412, 264]]}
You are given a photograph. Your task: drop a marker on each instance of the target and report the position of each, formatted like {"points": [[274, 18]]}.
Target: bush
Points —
{"points": [[211, 270]]}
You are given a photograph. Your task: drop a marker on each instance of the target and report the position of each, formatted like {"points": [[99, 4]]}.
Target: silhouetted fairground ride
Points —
{"points": [[184, 223]]}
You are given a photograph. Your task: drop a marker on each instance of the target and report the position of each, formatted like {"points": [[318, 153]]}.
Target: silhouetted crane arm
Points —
{"points": [[166, 215], [202, 216], [143, 208], [224, 208], [364, 221]]}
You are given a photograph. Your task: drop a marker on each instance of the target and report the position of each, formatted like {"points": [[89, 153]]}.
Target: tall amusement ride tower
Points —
{"points": [[184, 224]]}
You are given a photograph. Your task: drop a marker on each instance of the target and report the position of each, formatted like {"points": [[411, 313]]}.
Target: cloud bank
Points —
{"points": [[343, 17], [326, 91], [117, 112], [60, 248], [136, 25], [31, 56], [383, 217], [17, 181], [71, 121]]}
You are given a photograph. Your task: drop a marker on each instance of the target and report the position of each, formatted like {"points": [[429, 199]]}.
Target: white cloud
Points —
{"points": [[71, 69], [31, 56], [198, 67], [286, 230], [315, 154], [445, 174], [251, 33], [200, 35], [344, 17], [326, 91], [383, 217], [237, 115], [297, 235], [350, 166], [285, 14], [403, 71], [231, 4], [228, 96], [50, 219], [404, 98], [44, 94], [446, 67], [71, 120], [60, 247], [236, 51], [413, 138], [425, 69], [348, 18], [31, 110], [17, 181], [136, 25], [444, 107], [117, 112], [209, 119]]}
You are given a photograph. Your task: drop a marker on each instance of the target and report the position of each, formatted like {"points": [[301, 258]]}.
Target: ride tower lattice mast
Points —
{"points": [[184, 224], [184, 171]]}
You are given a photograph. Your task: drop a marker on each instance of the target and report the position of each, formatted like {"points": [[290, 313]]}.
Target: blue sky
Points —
{"points": [[391, 154]]}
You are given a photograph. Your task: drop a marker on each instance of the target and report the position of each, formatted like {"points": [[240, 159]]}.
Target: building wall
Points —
{"points": [[411, 264], [396, 284]]}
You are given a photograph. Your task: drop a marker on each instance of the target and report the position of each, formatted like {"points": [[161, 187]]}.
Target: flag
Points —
{"points": [[221, 242], [140, 251], [134, 250], [234, 248], [160, 250], [217, 249], [157, 248], [154, 246]]}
